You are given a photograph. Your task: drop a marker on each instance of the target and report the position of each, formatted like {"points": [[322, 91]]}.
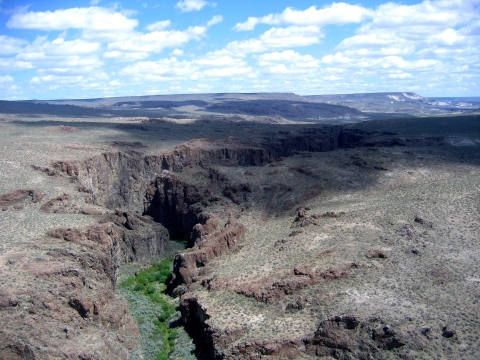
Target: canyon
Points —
{"points": [[303, 240]]}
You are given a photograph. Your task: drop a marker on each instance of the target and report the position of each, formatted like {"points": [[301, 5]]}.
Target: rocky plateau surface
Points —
{"points": [[299, 245]]}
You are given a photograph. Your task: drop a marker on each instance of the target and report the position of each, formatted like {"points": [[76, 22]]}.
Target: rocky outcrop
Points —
{"points": [[347, 337], [163, 187], [302, 219], [151, 185], [340, 337], [186, 265], [120, 179], [69, 309], [377, 254], [423, 221], [194, 318], [122, 236], [175, 203], [275, 286], [16, 197]]}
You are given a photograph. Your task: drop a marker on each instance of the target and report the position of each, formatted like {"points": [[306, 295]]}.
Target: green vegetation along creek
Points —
{"points": [[156, 312]]}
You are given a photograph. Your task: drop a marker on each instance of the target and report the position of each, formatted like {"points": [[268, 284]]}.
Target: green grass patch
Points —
{"points": [[151, 283]]}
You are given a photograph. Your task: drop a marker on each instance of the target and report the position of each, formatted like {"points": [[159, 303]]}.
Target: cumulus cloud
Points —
{"points": [[413, 45], [215, 20], [427, 25], [226, 72], [61, 56], [160, 38], [93, 18], [177, 52], [219, 61], [94, 81], [9, 45], [288, 62], [159, 25], [95, 22], [394, 45], [11, 64], [337, 13], [277, 38], [161, 70], [191, 5], [125, 56], [156, 41], [211, 66], [6, 79]]}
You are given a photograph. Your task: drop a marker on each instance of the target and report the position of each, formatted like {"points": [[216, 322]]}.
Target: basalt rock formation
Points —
{"points": [[346, 337], [125, 237], [207, 246], [121, 179], [17, 197], [77, 300], [170, 195]]}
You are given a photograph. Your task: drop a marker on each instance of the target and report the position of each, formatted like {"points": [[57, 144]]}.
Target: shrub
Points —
{"points": [[145, 282]]}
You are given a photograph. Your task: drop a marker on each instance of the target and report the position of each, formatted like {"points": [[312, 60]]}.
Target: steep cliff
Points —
{"points": [[69, 309]]}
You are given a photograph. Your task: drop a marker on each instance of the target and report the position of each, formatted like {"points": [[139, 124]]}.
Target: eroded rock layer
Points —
{"points": [[69, 309], [189, 192]]}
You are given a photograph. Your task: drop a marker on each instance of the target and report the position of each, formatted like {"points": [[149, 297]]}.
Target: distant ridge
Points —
{"points": [[173, 97], [385, 96], [282, 106]]}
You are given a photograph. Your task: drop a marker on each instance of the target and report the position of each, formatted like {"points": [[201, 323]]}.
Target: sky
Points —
{"points": [[60, 49]]}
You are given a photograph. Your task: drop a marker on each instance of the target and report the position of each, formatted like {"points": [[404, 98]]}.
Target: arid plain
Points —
{"points": [[336, 238]]}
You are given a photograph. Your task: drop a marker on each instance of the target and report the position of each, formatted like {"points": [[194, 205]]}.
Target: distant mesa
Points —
{"points": [[333, 108]]}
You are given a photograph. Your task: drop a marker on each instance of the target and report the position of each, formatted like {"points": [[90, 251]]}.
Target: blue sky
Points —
{"points": [[97, 48]]}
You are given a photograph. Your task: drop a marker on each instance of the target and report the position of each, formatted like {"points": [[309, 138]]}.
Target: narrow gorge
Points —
{"points": [[198, 191]]}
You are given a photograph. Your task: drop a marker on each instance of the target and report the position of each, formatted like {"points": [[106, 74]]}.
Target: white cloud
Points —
{"points": [[339, 60], [291, 36], [277, 38], [425, 26], [11, 64], [61, 56], [226, 72], [9, 45], [156, 41], [394, 46], [90, 81], [177, 52], [426, 16], [93, 18], [337, 13], [288, 62], [95, 22], [400, 75], [212, 66], [414, 45], [219, 61], [125, 56], [6, 79], [159, 25], [215, 20], [164, 69], [191, 5]]}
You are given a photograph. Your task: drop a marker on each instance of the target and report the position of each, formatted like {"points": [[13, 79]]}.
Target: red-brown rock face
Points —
{"points": [[187, 264], [69, 309]]}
